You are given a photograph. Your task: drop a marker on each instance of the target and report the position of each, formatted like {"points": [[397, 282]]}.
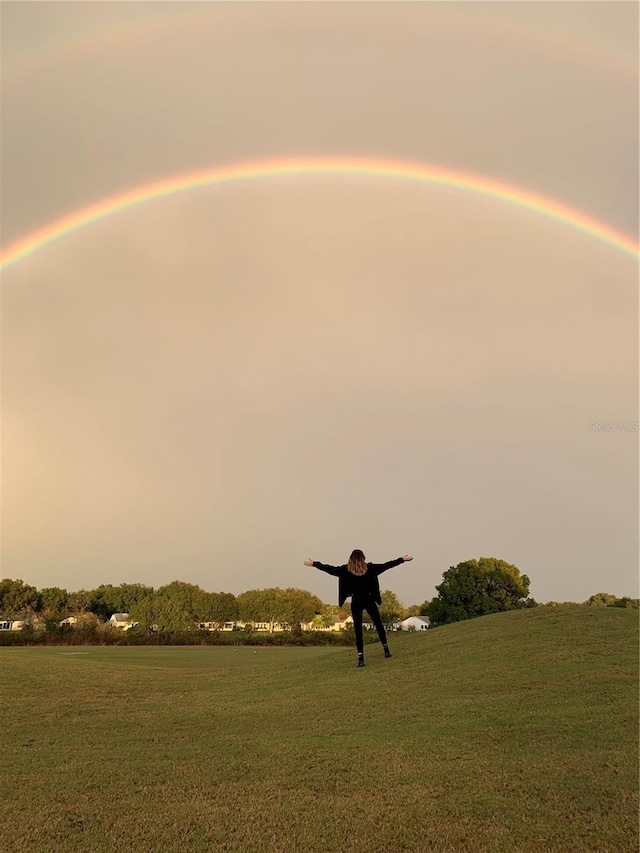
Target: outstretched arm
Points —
{"points": [[330, 570], [379, 568]]}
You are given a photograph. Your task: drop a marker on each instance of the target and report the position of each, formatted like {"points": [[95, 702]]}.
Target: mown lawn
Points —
{"points": [[514, 732]]}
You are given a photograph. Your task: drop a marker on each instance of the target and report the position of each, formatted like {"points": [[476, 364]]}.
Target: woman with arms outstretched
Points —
{"points": [[359, 580]]}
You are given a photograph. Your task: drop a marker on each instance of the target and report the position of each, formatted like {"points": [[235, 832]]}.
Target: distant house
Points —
{"points": [[345, 624], [79, 620], [318, 624], [267, 626], [220, 626], [122, 621], [12, 624], [367, 624], [341, 624], [416, 623]]}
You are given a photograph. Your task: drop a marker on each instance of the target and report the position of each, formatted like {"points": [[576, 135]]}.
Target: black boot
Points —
{"points": [[387, 653], [360, 659]]}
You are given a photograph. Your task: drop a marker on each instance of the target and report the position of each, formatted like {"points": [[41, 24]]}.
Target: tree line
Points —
{"points": [[472, 588], [179, 605]]}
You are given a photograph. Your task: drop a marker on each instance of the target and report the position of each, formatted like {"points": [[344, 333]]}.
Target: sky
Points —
{"points": [[219, 384]]}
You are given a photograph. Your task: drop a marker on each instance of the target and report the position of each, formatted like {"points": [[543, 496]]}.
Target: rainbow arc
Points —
{"points": [[314, 166]]}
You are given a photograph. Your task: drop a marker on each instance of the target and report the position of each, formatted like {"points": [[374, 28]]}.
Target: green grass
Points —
{"points": [[513, 732]]}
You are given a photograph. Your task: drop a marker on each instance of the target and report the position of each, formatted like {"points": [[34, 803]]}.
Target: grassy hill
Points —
{"points": [[513, 732]]}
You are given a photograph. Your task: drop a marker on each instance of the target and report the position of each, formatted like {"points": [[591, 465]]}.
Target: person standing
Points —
{"points": [[359, 579]]}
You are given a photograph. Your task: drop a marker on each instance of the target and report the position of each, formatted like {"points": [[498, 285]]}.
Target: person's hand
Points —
{"points": [[308, 562], [406, 558]]}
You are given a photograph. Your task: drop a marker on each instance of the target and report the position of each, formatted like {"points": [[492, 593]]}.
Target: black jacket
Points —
{"points": [[360, 585]]}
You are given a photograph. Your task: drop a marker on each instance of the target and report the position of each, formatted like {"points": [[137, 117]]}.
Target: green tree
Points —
{"points": [[478, 587], [602, 599], [250, 606], [53, 602], [425, 608], [273, 606], [107, 599], [629, 603], [79, 601], [147, 613], [18, 598], [176, 606], [263, 605], [322, 621], [299, 606], [345, 611], [328, 615], [391, 608], [185, 602], [287, 607], [219, 607]]}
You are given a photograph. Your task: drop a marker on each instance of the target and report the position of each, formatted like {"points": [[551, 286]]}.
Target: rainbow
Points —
{"points": [[314, 166], [149, 28]]}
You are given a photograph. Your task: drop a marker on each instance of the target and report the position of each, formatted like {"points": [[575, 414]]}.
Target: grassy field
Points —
{"points": [[513, 732]]}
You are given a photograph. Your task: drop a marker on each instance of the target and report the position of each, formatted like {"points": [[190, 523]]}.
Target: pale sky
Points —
{"points": [[217, 385]]}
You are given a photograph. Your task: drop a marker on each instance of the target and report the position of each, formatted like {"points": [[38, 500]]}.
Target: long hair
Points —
{"points": [[357, 564]]}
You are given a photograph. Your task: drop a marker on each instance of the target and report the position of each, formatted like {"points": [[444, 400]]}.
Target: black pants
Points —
{"points": [[357, 607]]}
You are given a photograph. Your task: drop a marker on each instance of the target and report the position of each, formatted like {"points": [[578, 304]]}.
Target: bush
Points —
{"points": [[349, 636], [96, 634]]}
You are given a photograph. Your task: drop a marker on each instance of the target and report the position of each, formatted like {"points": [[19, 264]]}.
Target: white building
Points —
{"points": [[121, 620], [12, 624], [417, 623]]}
